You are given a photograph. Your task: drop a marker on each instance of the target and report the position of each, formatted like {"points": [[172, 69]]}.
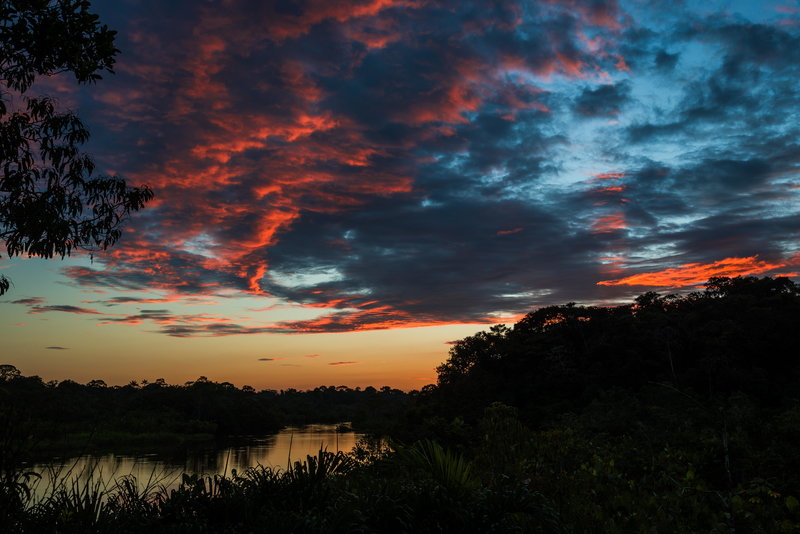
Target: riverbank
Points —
{"points": [[117, 441]]}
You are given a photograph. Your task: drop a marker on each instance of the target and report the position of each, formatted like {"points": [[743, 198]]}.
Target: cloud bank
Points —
{"points": [[398, 163]]}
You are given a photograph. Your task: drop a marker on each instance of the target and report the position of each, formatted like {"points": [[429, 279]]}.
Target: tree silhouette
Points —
{"points": [[50, 204]]}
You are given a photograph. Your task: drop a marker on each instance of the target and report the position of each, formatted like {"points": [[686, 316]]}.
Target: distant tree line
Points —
{"points": [[198, 407]]}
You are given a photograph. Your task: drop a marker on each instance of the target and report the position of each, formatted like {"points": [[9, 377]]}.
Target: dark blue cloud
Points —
{"points": [[440, 162], [605, 101]]}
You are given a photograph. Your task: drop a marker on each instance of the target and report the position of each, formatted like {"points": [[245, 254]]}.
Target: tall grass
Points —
{"points": [[419, 489]]}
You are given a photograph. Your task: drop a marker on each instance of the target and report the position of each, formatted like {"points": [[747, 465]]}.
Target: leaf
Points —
{"points": [[791, 503]]}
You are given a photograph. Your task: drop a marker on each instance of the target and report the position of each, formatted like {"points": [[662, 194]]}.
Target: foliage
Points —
{"points": [[49, 202], [15, 444], [155, 412], [326, 493], [671, 414], [447, 469], [640, 481], [731, 337]]}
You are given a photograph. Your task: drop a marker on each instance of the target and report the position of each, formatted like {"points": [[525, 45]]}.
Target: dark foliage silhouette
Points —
{"points": [[50, 202]]}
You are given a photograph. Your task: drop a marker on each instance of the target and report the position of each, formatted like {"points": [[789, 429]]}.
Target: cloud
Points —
{"points": [[506, 232], [694, 273], [270, 359], [64, 308], [33, 301], [666, 61], [57, 348], [605, 101], [401, 163], [313, 355], [36, 305], [344, 363]]}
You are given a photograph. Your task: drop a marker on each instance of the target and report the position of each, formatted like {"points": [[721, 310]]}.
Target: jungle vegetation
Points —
{"points": [[670, 414], [96, 416]]}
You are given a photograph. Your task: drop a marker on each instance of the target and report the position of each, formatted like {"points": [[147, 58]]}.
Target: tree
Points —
{"points": [[50, 204], [9, 372], [472, 351]]}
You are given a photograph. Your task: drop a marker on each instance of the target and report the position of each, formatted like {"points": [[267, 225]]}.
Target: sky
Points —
{"points": [[345, 187]]}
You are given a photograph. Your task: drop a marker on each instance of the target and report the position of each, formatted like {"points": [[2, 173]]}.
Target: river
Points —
{"points": [[165, 469]]}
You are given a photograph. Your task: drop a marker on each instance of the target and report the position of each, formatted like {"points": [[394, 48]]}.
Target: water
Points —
{"points": [[165, 469]]}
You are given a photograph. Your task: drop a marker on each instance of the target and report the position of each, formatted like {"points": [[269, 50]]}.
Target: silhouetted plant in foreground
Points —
{"points": [[50, 202], [325, 493]]}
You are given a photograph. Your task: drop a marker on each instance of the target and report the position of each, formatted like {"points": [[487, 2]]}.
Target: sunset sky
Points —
{"points": [[342, 187]]}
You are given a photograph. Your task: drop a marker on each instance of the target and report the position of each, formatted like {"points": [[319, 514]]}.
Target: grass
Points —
{"points": [[325, 493]]}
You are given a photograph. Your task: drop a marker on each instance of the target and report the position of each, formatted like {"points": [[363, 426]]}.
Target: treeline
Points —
{"points": [[201, 407], [738, 336], [669, 414]]}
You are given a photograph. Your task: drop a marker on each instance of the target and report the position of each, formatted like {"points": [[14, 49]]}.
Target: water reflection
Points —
{"points": [[165, 469]]}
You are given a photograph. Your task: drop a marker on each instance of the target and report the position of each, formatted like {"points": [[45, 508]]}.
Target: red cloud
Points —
{"points": [[514, 231], [606, 176], [381, 318], [281, 27], [609, 223], [241, 165], [696, 273]]}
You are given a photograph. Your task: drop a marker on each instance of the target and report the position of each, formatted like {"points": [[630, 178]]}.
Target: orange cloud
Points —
{"points": [[606, 15], [609, 223], [506, 232], [606, 176], [281, 27], [377, 318], [621, 65], [617, 189], [696, 273]]}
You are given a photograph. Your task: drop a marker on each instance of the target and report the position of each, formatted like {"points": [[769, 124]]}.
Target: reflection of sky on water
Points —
{"points": [[166, 469]]}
